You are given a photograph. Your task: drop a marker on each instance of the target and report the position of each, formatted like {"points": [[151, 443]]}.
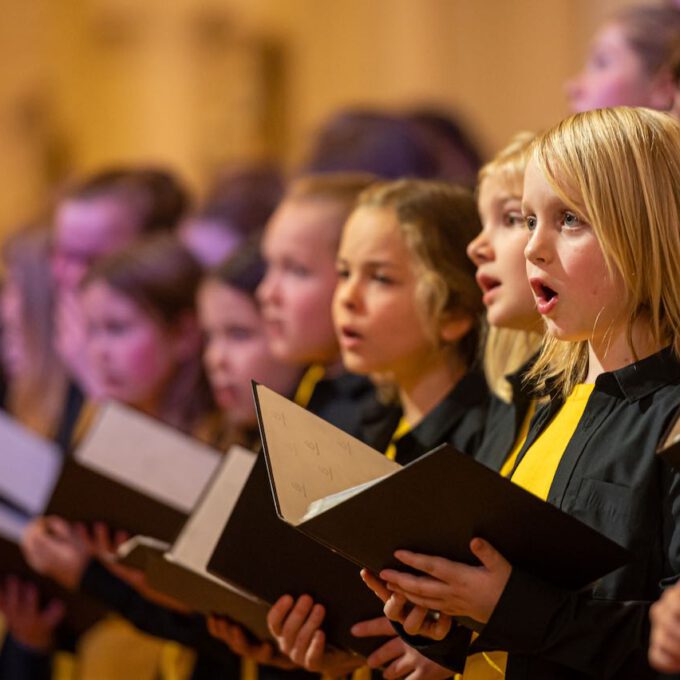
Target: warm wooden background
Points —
{"points": [[198, 83]]}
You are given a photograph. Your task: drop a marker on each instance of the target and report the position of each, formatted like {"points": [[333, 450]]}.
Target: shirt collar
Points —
{"points": [[469, 392], [642, 378]]}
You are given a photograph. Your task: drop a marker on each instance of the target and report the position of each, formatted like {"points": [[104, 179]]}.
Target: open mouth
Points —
{"points": [[348, 336], [546, 297], [487, 283]]}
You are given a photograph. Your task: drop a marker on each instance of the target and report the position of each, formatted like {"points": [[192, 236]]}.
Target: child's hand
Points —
{"points": [[453, 588], [237, 640], [412, 665], [27, 623], [53, 548], [664, 647], [414, 619], [296, 626]]}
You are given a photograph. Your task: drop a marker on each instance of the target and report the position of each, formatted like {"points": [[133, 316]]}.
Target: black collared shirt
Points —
{"points": [[343, 400], [458, 419], [609, 477]]}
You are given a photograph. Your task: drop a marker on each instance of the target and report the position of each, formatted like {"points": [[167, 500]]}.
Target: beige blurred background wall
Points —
{"points": [[201, 83]]}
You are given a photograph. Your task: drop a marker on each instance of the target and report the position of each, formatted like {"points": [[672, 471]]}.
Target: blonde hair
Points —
{"points": [[437, 221], [509, 163], [620, 169], [36, 396], [507, 349]]}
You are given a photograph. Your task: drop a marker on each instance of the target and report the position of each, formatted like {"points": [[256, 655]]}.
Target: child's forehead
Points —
{"points": [[305, 222]]}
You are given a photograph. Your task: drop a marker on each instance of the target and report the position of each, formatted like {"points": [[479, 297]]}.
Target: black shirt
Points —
{"points": [[609, 477]]}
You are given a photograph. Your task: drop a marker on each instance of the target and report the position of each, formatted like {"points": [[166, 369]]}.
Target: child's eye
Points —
{"points": [[296, 269], [239, 333], [530, 222], [513, 218], [382, 278], [342, 272], [569, 219]]}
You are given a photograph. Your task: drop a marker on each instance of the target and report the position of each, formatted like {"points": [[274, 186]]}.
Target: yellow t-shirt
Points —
{"points": [[535, 473]]}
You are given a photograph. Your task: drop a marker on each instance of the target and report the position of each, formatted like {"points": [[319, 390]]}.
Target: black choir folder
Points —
{"points": [[29, 467], [180, 570], [355, 501], [133, 473], [263, 555]]}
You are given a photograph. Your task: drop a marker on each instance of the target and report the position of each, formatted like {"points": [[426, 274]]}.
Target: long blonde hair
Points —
{"points": [[620, 169], [507, 349]]}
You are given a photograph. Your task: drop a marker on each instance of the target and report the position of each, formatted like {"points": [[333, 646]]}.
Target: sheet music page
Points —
{"points": [[198, 538], [148, 456], [29, 466], [310, 458]]}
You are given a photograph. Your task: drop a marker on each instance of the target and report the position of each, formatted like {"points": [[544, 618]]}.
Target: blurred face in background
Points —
{"points": [[299, 246], [84, 231], [132, 355], [236, 351], [615, 75]]}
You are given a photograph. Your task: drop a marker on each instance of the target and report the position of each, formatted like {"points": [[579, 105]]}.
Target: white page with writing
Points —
{"points": [[310, 458]]}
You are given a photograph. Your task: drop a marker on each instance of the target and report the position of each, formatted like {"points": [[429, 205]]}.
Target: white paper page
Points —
{"points": [[310, 458], [128, 550], [29, 466], [199, 536], [148, 456], [317, 507]]}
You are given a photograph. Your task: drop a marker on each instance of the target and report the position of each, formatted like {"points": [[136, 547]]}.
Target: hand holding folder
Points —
{"points": [[133, 473], [356, 502]]}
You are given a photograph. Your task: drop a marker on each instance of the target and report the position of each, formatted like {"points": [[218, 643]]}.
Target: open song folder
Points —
{"points": [[351, 498], [180, 570], [134, 473], [29, 468], [263, 555]]}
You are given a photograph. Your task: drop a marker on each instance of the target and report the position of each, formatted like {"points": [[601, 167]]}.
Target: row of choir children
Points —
{"points": [[517, 324]]}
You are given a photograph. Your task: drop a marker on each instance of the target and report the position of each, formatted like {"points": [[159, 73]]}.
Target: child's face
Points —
{"points": [[236, 351], [375, 310], [85, 230], [614, 75], [574, 292], [131, 354], [296, 293], [498, 252]]}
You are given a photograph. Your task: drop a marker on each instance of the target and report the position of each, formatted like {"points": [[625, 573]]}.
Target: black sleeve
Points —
{"points": [[187, 629], [18, 662], [577, 630]]}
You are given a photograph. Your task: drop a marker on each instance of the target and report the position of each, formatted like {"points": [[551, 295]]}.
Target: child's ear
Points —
{"points": [[187, 337], [663, 90], [455, 326]]}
